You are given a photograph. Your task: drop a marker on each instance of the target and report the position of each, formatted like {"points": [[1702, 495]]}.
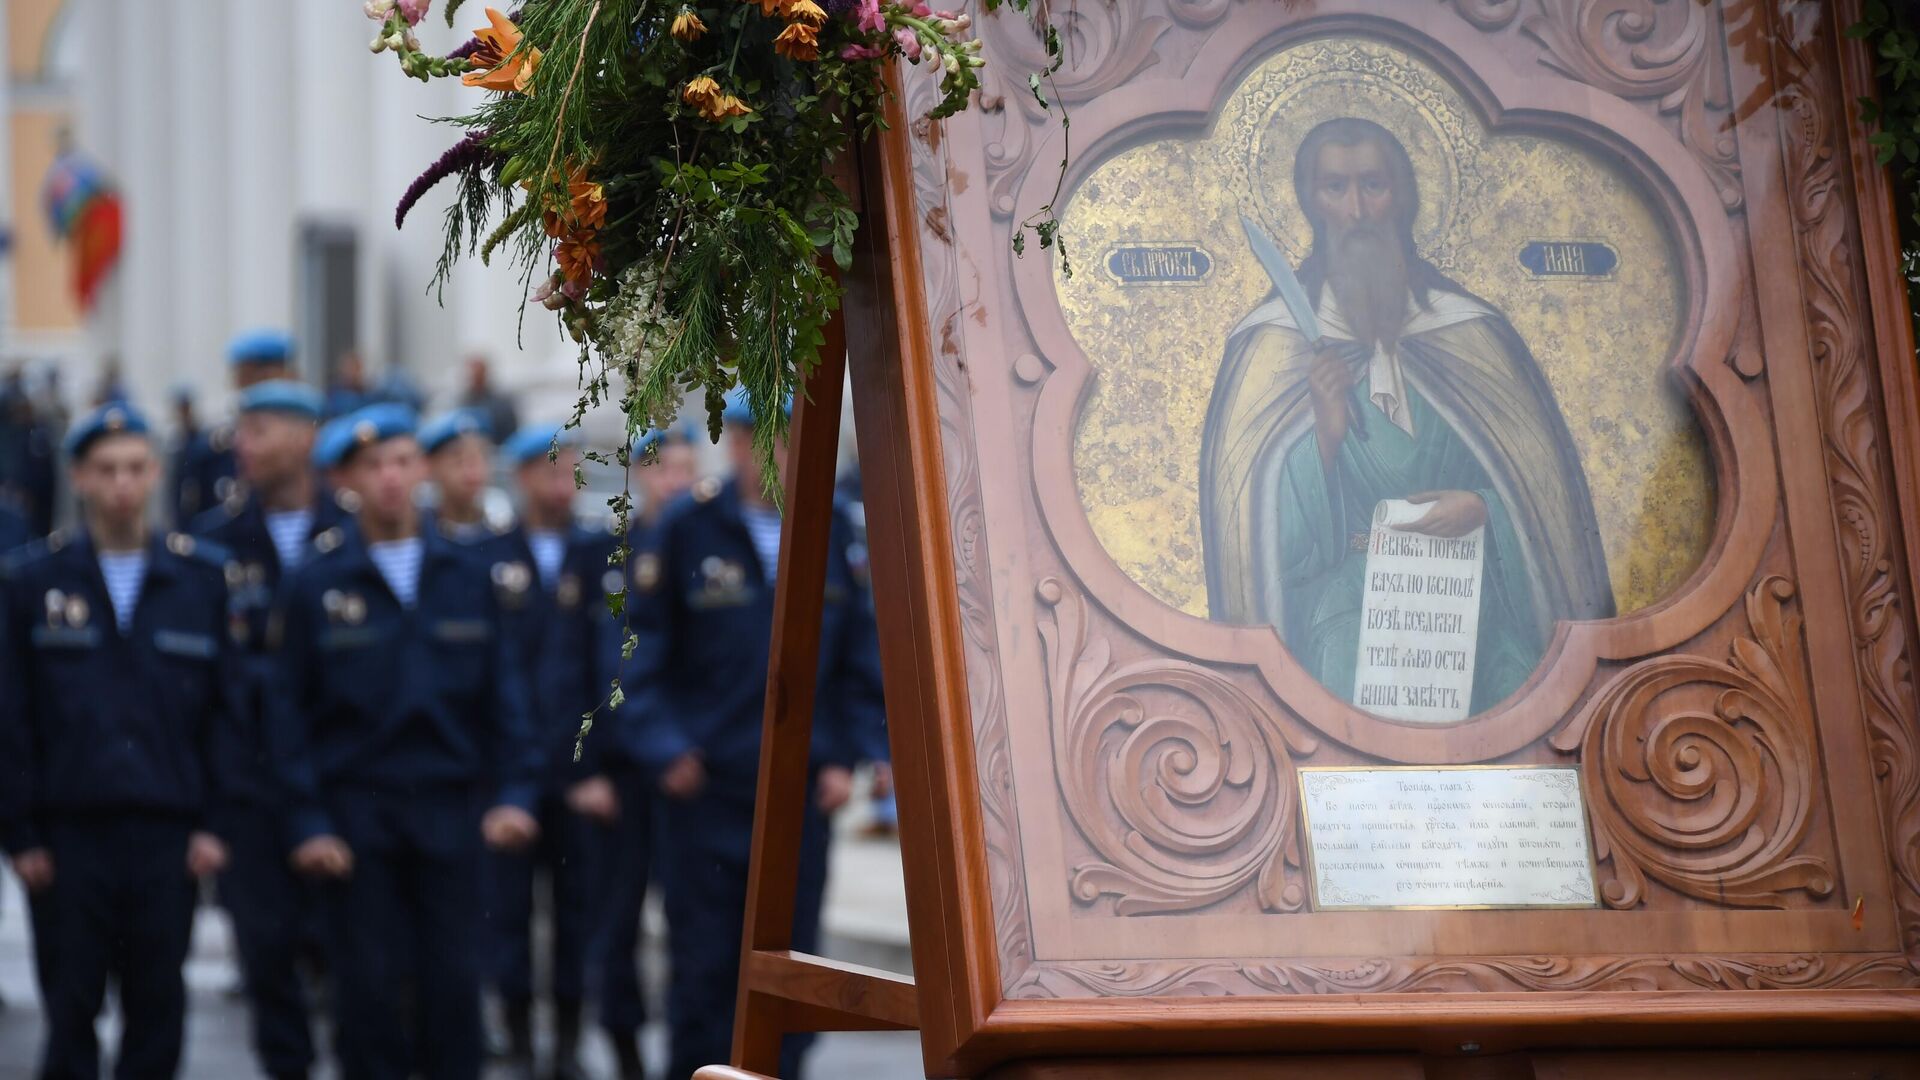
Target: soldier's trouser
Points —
{"points": [[406, 935], [568, 852], [120, 907], [269, 906], [703, 845], [625, 864]]}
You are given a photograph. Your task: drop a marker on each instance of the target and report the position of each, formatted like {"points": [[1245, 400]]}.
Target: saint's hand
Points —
{"points": [[1454, 513], [1328, 386], [35, 867], [206, 855], [324, 857], [508, 828]]}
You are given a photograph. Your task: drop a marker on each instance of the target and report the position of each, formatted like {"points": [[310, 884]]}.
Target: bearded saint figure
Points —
{"points": [[1418, 390]]}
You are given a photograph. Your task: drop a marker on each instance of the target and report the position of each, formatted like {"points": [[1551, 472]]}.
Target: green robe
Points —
{"points": [[1323, 575], [1279, 529]]}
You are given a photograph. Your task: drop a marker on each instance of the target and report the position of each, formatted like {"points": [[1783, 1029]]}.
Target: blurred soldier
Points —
{"points": [[663, 468], [551, 580], [481, 398], [13, 529], [459, 451], [400, 729], [702, 611], [208, 467], [347, 390], [28, 444], [268, 527], [186, 434], [112, 681]]}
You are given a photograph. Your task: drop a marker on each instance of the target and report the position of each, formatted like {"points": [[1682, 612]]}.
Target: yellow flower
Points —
{"points": [[803, 11], [687, 25], [798, 42], [700, 91], [496, 63], [704, 94]]}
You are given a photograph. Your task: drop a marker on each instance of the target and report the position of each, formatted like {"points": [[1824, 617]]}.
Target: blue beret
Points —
{"points": [[260, 347], [739, 412], [375, 424], [449, 426], [113, 418], [281, 395], [533, 441], [331, 443]]}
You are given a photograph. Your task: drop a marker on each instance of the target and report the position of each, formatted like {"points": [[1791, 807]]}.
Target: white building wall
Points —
{"points": [[224, 147]]}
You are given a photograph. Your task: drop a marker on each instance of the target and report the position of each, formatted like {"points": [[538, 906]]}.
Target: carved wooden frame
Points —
{"points": [[1796, 542]]}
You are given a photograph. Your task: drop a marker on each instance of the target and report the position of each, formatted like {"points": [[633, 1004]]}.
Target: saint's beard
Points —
{"points": [[1367, 271]]}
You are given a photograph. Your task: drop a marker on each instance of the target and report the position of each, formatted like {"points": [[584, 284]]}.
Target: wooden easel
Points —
{"points": [[969, 1024]]}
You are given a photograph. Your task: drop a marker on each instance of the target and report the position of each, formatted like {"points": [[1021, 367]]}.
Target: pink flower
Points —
{"points": [[920, 10], [945, 16], [867, 13], [859, 52], [909, 43], [414, 10]]}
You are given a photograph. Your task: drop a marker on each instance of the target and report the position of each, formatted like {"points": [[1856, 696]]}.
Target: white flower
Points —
{"points": [[378, 44], [378, 10], [952, 64]]}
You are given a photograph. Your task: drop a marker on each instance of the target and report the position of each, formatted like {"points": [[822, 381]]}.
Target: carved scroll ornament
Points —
{"points": [[1713, 803], [1182, 783]]}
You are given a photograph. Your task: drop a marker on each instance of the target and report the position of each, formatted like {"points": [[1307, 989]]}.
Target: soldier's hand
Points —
{"points": [[35, 867], [685, 778], [595, 798], [1327, 390], [832, 788], [206, 855], [509, 828], [325, 857], [1454, 513]]}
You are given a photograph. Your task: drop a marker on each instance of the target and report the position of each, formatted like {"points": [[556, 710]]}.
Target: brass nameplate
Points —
{"points": [[1474, 836]]}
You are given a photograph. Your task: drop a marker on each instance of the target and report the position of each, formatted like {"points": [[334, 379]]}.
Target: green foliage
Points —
{"points": [[1891, 32]]}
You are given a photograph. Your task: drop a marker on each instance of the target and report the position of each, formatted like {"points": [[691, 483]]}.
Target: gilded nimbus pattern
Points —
{"points": [[1602, 340]]}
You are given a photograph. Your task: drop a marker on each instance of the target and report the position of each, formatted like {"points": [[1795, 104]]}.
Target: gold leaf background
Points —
{"points": [[1155, 348]]}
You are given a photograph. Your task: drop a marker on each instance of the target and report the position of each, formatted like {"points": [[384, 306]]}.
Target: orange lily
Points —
{"points": [[579, 257], [687, 25], [798, 42], [804, 11], [499, 63]]}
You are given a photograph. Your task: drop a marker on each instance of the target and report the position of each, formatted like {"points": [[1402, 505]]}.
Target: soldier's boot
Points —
{"points": [[519, 1056], [566, 1040], [626, 1050]]}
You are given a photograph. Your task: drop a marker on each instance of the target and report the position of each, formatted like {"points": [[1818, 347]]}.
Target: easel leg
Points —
{"points": [[793, 668]]}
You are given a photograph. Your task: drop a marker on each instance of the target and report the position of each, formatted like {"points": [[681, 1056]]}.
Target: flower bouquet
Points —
{"points": [[662, 171]]}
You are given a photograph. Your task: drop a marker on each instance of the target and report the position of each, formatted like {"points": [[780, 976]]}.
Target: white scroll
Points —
{"points": [[1419, 620]]}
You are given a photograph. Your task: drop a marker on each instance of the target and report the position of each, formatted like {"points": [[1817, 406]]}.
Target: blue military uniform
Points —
{"points": [[554, 616], [395, 727], [105, 762], [14, 532], [702, 610], [268, 902], [207, 472]]}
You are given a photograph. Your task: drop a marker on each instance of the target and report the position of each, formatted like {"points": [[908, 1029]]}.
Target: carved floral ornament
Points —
{"points": [[1699, 769]]}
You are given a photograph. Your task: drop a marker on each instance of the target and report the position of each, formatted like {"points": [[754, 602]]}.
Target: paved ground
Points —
{"points": [[865, 922]]}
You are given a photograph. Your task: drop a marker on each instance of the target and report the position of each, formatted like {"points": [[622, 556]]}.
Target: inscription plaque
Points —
{"points": [[1460, 837]]}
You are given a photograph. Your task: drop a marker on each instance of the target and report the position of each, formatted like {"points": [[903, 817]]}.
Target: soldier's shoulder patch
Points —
{"points": [[328, 540], [706, 490]]}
